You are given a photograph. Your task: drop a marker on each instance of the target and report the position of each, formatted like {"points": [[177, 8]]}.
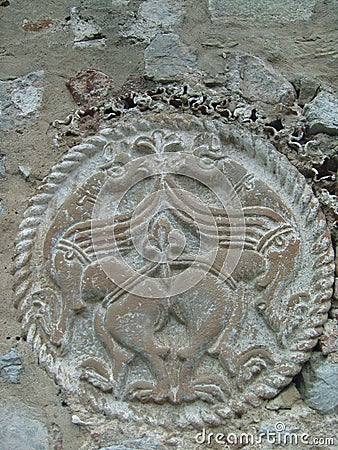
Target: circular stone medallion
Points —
{"points": [[173, 270]]}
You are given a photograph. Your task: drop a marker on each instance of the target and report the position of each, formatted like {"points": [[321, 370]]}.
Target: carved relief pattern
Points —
{"points": [[148, 195]]}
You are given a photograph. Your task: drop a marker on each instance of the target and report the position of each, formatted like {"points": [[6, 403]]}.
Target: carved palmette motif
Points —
{"points": [[173, 263]]}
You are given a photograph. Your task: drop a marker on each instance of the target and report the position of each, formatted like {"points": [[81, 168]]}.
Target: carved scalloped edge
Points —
{"points": [[291, 181], [33, 215], [200, 101]]}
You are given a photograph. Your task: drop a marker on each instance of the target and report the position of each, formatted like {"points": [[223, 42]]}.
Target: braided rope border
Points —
{"points": [[321, 284]]}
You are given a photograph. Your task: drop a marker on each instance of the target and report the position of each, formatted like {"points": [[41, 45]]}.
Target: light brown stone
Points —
{"points": [[286, 399]]}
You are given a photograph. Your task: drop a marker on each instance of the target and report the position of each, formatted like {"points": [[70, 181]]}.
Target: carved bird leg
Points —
{"points": [[69, 272], [121, 358]]}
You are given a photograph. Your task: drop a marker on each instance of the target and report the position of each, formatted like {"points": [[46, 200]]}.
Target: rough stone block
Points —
{"points": [[319, 385], [2, 165], [257, 81], [20, 100], [329, 339], [167, 58], [86, 31], [307, 87], [153, 16], [20, 429], [10, 364], [263, 10], [89, 86], [322, 114], [286, 399]]}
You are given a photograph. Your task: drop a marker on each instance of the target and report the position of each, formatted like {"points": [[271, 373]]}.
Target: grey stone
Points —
{"points": [[322, 114], [2, 165], [2, 211], [167, 58], [319, 385], [138, 444], [153, 16], [307, 87], [256, 80], [140, 29], [11, 365], [263, 10], [20, 100], [86, 32], [118, 3], [163, 12], [20, 429], [24, 172]]}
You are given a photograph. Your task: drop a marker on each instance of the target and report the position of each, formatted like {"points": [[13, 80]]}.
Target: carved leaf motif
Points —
{"points": [[159, 143]]}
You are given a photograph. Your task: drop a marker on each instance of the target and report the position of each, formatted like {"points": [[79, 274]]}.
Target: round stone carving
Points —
{"points": [[173, 270]]}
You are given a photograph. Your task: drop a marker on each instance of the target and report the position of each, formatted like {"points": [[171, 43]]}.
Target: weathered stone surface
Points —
{"points": [[138, 444], [257, 81], [38, 26], [89, 86], [162, 261], [307, 87], [319, 386], [24, 171], [2, 165], [154, 16], [263, 10], [322, 114], [329, 339], [167, 58], [330, 202], [163, 12], [20, 428], [285, 400], [86, 32], [20, 100], [308, 47], [56, 437], [119, 3], [10, 364]]}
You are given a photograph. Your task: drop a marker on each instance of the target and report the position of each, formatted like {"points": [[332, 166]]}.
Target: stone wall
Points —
{"points": [[278, 63]]}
